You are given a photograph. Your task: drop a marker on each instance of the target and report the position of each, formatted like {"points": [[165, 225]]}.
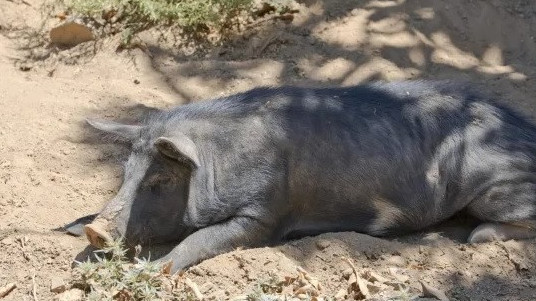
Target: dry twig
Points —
{"points": [[355, 278], [429, 291], [6, 289], [34, 288], [194, 288]]}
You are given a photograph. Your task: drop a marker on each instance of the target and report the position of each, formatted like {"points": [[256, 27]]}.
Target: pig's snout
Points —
{"points": [[97, 235]]}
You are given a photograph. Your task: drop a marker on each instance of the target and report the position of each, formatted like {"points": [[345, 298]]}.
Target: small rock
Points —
{"points": [[207, 287], [196, 271], [7, 241], [396, 273], [6, 289], [347, 273], [519, 263], [62, 15], [222, 52], [531, 282], [371, 255], [25, 67], [108, 13], [432, 292], [517, 76], [341, 294], [136, 81], [321, 244], [40, 54], [421, 249], [70, 295], [57, 285], [396, 261], [70, 34], [402, 278]]}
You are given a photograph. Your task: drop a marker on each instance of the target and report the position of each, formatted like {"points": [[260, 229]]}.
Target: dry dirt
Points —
{"points": [[53, 169]]}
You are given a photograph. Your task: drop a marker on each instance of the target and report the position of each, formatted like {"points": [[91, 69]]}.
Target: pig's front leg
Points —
{"points": [[217, 239]]}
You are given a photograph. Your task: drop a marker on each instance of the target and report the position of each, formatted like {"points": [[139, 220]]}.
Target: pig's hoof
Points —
{"points": [[97, 236], [489, 232], [481, 236], [484, 233]]}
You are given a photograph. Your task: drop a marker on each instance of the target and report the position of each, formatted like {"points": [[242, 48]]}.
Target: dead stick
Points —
{"points": [[6, 289], [194, 288], [34, 288], [429, 291], [360, 283]]}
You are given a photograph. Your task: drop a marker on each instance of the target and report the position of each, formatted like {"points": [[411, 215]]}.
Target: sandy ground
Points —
{"points": [[53, 169]]}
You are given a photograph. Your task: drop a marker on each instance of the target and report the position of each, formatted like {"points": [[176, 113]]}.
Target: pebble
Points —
{"points": [[7, 241], [396, 261], [70, 34], [429, 291], [196, 271], [70, 295], [322, 244], [57, 285]]}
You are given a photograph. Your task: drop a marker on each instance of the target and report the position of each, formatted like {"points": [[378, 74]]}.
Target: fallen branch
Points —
{"points": [[194, 288], [429, 291], [34, 288], [355, 278], [6, 289]]}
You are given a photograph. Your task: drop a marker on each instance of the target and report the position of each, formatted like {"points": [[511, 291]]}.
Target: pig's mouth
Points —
{"points": [[99, 237]]}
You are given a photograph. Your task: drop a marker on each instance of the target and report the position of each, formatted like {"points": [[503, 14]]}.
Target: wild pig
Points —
{"points": [[262, 166]]}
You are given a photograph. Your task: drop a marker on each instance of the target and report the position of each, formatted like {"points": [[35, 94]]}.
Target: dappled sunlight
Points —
{"points": [[263, 72], [354, 42], [379, 68], [398, 40], [335, 69], [425, 13], [446, 53], [224, 77], [394, 24], [384, 4], [351, 33], [493, 56], [416, 56], [359, 32]]}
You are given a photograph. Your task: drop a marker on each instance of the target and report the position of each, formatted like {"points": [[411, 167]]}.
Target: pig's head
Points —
{"points": [[149, 207]]}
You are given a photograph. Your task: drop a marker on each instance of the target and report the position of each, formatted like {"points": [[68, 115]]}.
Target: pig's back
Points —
{"points": [[387, 158]]}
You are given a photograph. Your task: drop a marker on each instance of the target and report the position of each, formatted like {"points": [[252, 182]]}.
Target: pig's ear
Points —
{"points": [[179, 147], [117, 130]]}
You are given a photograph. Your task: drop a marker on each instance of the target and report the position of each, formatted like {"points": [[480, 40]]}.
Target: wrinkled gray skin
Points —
{"points": [[256, 168]]}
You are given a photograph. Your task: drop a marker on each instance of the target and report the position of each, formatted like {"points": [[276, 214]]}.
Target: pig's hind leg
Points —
{"points": [[508, 211]]}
